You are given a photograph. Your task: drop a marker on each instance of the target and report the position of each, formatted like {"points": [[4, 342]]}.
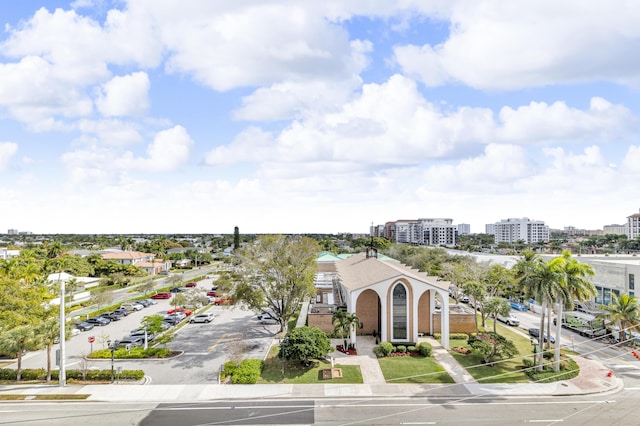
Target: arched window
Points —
{"points": [[399, 313]]}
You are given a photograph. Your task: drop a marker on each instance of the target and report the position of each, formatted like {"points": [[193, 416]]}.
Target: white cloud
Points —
{"points": [[124, 95], [7, 152], [169, 150], [507, 45]]}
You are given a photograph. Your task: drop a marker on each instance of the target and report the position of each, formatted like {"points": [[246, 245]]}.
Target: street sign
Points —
{"points": [[92, 339]]}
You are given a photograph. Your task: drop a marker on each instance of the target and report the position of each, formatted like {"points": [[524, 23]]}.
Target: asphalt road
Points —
{"points": [[619, 409]]}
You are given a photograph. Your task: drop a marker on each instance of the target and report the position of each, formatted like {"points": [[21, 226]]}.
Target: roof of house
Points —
{"points": [[358, 272], [127, 255]]}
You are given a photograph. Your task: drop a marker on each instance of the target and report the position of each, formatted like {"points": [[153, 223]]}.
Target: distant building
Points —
{"points": [[633, 226], [12, 232], [464, 229], [6, 254], [520, 229], [490, 229], [615, 229], [431, 231]]}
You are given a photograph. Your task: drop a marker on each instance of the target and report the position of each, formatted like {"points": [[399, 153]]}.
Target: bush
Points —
{"points": [[412, 349], [96, 375], [401, 348], [378, 351], [248, 372], [458, 336], [425, 349], [387, 348], [134, 353]]}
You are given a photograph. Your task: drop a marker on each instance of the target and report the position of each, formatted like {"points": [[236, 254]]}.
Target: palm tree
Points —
{"points": [[16, 341], [541, 280], [47, 332], [344, 323], [624, 311], [574, 286]]}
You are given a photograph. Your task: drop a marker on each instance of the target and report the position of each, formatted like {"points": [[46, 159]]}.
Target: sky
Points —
{"points": [[316, 116]]}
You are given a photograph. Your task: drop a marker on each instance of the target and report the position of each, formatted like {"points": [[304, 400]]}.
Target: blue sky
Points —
{"points": [[316, 116]]}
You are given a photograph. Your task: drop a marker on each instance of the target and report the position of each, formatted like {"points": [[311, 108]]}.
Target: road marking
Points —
{"points": [[217, 343], [196, 353], [544, 421]]}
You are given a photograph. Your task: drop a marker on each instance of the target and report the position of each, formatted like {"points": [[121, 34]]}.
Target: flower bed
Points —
{"points": [[461, 350], [341, 348]]}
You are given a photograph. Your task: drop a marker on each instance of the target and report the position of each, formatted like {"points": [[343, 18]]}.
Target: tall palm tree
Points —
{"points": [[541, 280], [47, 333], [574, 286], [623, 311]]}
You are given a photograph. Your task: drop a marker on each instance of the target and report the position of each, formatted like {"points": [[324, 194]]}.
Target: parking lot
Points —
{"points": [[204, 347]]}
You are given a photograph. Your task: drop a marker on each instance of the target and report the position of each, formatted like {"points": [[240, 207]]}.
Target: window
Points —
{"points": [[399, 317], [632, 284]]}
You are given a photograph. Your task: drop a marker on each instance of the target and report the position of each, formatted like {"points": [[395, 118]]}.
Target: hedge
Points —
{"points": [[41, 374], [134, 353], [247, 372]]}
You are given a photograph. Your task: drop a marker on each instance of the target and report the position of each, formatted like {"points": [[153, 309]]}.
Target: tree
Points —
{"points": [[496, 306], [16, 341], [344, 323], [574, 286], [477, 293], [48, 332], [305, 343], [279, 273], [623, 311], [493, 346], [236, 238]]}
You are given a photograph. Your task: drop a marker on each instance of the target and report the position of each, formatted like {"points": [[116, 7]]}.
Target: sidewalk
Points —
{"points": [[593, 379]]}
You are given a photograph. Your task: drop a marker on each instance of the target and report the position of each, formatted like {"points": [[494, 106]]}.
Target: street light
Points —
{"points": [[112, 346], [534, 343]]}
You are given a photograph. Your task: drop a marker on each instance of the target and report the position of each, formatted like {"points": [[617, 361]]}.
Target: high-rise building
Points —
{"points": [[520, 229], [614, 229], [633, 226], [464, 229]]}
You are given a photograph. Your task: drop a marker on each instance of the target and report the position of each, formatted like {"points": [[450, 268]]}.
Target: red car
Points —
{"points": [[223, 301], [191, 285], [161, 296], [187, 312], [212, 293]]}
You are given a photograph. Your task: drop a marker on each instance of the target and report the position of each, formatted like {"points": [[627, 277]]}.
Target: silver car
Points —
{"points": [[206, 317]]}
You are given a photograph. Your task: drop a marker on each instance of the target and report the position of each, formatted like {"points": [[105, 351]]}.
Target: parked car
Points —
{"points": [[139, 332], [152, 301], [181, 310], [161, 296], [464, 299], [123, 312], [113, 316], [101, 321], [144, 302], [73, 332], [132, 306], [205, 317], [131, 341], [509, 320], [223, 301], [212, 293], [83, 325], [191, 284], [267, 313], [174, 319], [267, 320], [176, 290], [535, 332]]}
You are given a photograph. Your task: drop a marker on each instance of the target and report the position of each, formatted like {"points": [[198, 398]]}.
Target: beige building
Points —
{"points": [[393, 301]]}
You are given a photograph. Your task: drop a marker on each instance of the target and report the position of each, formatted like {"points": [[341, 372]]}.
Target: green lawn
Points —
{"points": [[296, 373], [409, 369], [506, 371]]}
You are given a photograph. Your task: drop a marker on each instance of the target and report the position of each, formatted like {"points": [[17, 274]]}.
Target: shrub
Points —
{"points": [[412, 349], [387, 348], [401, 348], [378, 351], [425, 349], [458, 336], [97, 375], [248, 372]]}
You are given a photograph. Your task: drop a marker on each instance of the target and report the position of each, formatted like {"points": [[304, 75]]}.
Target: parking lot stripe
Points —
{"points": [[217, 343]]}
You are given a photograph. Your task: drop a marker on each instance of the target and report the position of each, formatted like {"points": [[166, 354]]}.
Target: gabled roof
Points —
{"points": [[127, 255], [327, 256], [358, 272]]}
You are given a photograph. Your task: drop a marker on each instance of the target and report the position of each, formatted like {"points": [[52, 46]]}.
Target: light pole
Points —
{"points": [[62, 373], [534, 343], [112, 346]]}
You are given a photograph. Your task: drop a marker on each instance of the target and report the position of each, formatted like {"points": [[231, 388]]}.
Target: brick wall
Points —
{"points": [[458, 323]]}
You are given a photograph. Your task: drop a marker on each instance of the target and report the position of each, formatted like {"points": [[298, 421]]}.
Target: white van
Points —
{"points": [[509, 320], [132, 306]]}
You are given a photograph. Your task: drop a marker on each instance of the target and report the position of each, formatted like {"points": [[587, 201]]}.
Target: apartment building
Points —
{"points": [[633, 226], [426, 231], [520, 229]]}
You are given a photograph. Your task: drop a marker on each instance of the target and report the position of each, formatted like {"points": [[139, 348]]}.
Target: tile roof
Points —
{"points": [[358, 271], [127, 255]]}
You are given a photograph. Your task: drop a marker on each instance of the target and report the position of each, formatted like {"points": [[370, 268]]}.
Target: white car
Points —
{"points": [[206, 317], [266, 320], [132, 306], [509, 320]]}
